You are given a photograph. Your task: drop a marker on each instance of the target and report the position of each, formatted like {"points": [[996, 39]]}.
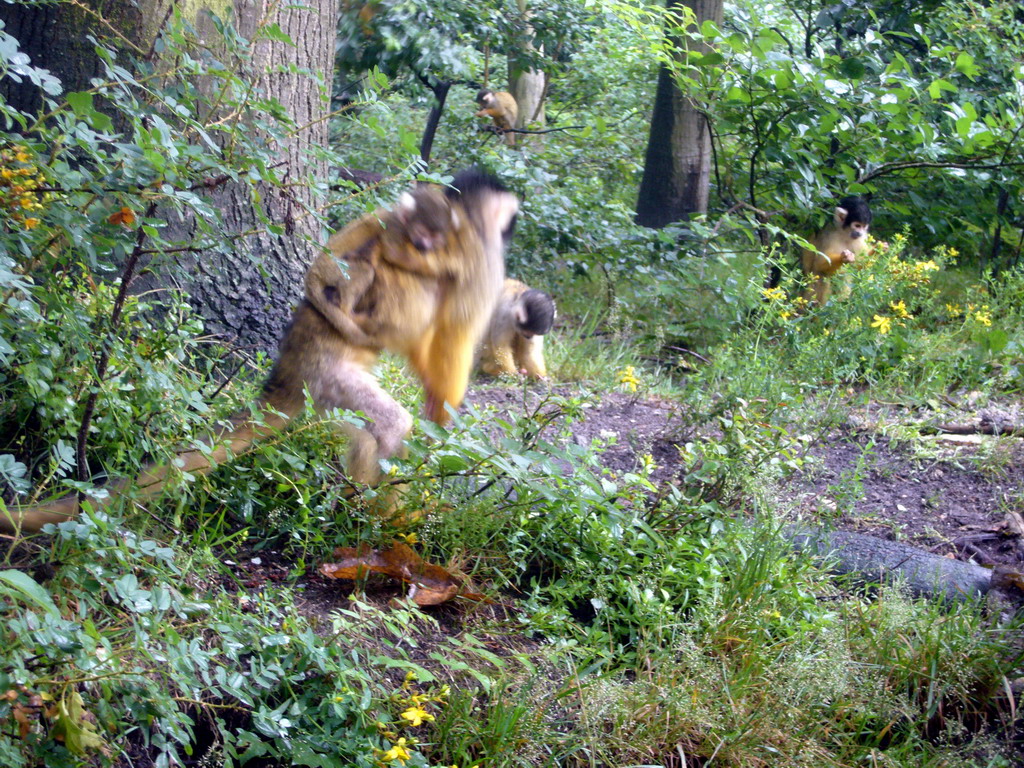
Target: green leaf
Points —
{"points": [[80, 102], [22, 586], [852, 67], [938, 86], [274, 32]]}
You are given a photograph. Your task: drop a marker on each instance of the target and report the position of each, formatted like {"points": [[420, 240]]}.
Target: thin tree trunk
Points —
{"points": [[440, 91], [677, 165], [527, 86]]}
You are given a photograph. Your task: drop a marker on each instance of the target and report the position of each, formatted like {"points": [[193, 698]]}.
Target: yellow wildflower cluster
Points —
{"points": [[628, 379], [982, 315], [882, 323], [21, 182], [647, 465], [954, 310], [397, 754], [913, 272], [899, 308], [414, 714], [774, 294]]}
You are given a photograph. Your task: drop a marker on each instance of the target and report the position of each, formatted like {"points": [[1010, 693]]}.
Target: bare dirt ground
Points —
{"points": [[955, 495]]}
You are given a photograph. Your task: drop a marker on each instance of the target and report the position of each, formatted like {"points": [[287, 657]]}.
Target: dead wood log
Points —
{"points": [[873, 560], [983, 428]]}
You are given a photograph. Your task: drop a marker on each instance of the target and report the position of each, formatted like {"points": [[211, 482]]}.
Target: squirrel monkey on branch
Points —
{"points": [[434, 321], [836, 245], [501, 107]]}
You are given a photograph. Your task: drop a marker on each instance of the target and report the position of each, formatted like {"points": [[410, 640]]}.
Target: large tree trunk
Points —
{"points": [[677, 166], [527, 86], [245, 295], [250, 293]]}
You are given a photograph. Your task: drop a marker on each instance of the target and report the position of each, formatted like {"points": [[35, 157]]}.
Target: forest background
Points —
{"points": [[167, 172]]}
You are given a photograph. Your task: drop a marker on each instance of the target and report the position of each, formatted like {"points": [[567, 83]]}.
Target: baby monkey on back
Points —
{"points": [[418, 226], [514, 342], [837, 244]]}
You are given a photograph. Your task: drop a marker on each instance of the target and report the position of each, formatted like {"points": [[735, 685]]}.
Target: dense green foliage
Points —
{"points": [[635, 620]]}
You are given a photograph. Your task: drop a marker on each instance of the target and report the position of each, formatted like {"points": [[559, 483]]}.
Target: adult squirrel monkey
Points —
{"points": [[837, 244], [501, 107], [433, 321], [514, 342]]}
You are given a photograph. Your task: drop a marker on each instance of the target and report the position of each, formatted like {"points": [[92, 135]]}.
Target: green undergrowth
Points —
{"points": [[628, 621]]}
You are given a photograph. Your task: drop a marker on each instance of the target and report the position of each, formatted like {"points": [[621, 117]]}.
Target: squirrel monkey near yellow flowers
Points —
{"points": [[837, 244]]}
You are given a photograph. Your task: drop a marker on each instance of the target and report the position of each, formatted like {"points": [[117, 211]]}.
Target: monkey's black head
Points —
{"points": [[536, 313], [473, 181], [482, 95], [474, 187], [857, 211]]}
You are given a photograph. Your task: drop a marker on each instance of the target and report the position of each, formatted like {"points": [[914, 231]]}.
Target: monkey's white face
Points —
{"points": [[857, 230]]}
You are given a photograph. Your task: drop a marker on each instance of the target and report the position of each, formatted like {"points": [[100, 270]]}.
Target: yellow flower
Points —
{"points": [[984, 318], [31, 223], [416, 716], [7, 173], [627, 377], [647, 464], [882, 323], [785, 314], [928, 266], [900, 308], [21, 157], [773, 294], [398, 752], [953, 310], [409, 538]]}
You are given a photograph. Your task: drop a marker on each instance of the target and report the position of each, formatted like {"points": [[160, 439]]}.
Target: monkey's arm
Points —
{"points": [[497, 356], [529, 356]]}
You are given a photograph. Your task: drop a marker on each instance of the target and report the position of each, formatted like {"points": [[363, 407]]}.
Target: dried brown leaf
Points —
{"points": [[430, 584]]}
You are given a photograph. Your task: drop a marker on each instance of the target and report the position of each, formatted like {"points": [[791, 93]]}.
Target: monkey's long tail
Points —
{"points": [[151, 481]]}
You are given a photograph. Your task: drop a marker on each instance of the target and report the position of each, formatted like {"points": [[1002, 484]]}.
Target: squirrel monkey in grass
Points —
{"points": [[514, 342]]}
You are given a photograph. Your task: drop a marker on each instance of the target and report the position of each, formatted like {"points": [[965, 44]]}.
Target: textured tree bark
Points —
{"points": [[249, 293], [677, 165], [56, 37], [245, 295]]}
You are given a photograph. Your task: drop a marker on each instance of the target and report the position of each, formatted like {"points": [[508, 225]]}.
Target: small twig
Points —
{"points": [[127, 275], [688, 352], [978, 554]]}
